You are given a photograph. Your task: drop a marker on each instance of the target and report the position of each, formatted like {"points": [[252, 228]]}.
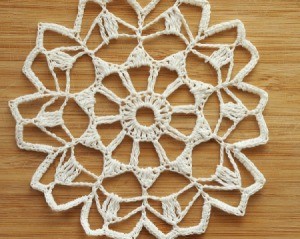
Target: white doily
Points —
{"points": [[69, 168]]}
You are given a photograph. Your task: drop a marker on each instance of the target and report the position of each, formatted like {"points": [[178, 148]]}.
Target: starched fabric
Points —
{"points": [[68, 165]]}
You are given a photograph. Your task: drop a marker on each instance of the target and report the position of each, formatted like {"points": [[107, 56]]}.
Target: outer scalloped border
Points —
{"points": [[204, 32]]}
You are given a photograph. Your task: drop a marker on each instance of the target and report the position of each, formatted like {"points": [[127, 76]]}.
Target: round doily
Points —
{"points": [[68, 166]]}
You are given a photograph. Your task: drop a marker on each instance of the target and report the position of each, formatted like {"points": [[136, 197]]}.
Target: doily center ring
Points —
{"points": [[161, 110]]}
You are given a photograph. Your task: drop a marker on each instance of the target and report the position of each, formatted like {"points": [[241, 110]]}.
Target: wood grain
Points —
{"points": [[274, 28]]}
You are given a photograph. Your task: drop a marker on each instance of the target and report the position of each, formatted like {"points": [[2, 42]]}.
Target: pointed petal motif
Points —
{"points": [[202, 135], [110, 207], [183, 163], [67, 171], [147, 176], [30, 74], [51, 159], [175, 62], [234, 112], [225, 54], [227, 177], [139, 57], [86, 101], [91, 139], [245, 193], [173, 21], [221, 57], [171, 208], [64, 175], [55, 57], [42, 120], [103, 68], [109, 27], [113, 167], [60, 59], [50, 119], [201, 91]]}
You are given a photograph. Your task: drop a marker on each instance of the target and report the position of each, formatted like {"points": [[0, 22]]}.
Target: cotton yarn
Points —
{"points": [[69, 167]]}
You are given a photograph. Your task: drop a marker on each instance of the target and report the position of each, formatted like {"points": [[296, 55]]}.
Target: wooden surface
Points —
{"points": [[274, 28]]}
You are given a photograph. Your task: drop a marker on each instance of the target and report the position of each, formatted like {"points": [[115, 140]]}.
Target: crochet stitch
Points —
{"points": [[69, 167]]}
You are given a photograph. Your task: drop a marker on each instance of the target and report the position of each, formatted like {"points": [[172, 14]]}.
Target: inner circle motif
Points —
{"points": [[162, 115], [148, 112]]}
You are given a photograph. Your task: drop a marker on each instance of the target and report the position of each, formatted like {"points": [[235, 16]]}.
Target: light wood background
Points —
{"points": [[274, 28]]}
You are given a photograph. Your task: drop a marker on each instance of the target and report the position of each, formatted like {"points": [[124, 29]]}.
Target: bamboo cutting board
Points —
{"points": [[273, 26]]}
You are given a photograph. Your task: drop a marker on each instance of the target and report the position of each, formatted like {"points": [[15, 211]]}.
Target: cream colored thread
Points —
{"points": [[69, 169]]}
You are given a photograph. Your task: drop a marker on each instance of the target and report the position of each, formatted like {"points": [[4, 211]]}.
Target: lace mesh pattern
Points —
{"points": [[68, 165]]}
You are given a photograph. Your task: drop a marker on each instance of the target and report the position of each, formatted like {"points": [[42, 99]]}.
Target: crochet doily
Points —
{"points": [[68, 165]]}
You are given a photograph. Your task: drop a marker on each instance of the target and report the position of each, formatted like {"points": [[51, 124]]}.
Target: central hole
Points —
{"points": [[145, 116]]}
